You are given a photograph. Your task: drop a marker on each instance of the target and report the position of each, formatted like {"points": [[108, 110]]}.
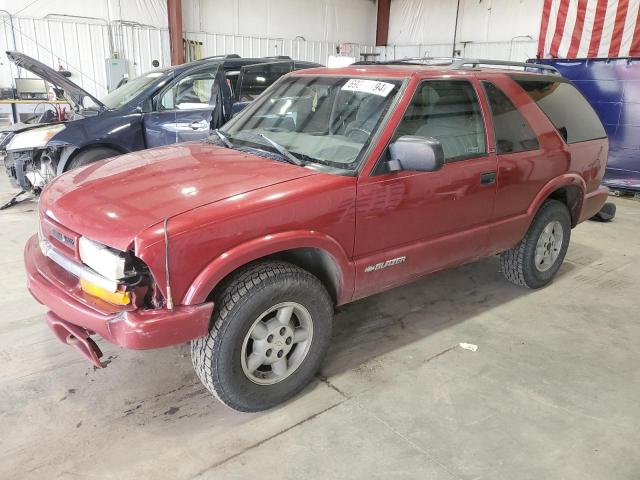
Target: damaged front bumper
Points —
{"points": [[31, 169], [75, 316]]}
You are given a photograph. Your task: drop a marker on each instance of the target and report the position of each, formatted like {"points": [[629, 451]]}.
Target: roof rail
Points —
{"points": [[457, 63], [475, 63], [221, 57]]}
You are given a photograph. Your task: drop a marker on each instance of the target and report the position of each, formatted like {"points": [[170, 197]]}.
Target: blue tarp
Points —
{"points": [[612, 86]]}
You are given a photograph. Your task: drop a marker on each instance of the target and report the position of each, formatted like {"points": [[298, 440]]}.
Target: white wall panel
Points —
{"points": [[147, 12], [486, 28], [517, 50], [248, 46], [326, 20], [303, 29], [432, 21], [80, 47]]}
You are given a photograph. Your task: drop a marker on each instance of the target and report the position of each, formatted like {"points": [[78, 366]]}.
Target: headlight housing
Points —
{"points": [[36, 138], [104, 260]]}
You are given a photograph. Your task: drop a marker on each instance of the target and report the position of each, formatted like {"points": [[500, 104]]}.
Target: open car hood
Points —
{"points": [[75, 93]]}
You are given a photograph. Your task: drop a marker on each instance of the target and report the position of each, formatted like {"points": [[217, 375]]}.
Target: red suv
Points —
{"points": [[334, 185]]}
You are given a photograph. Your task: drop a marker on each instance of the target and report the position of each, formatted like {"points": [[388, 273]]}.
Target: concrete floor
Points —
{"points": [[552, 391]]}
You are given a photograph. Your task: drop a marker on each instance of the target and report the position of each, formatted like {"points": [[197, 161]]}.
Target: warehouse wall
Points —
{"points": [[325, 20], [303, 29], [81, 47], [485, 28], [80, 34], [147, 12]]}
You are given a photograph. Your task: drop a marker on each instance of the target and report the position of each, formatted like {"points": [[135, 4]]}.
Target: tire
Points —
{"points": [[223, 359], [91, 155], [520, 266], [606, 213]]}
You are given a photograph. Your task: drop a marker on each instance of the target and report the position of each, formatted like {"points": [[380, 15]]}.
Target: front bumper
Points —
{"points": [[74, 315], [14, 170]]}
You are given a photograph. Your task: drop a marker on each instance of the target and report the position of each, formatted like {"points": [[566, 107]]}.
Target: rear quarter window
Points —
{"points": [[256, 78], [564, 105]]}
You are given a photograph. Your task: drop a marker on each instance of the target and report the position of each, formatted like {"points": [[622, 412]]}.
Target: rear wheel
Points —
{"points": [[91, 155], [536, 259], [271, 329]]}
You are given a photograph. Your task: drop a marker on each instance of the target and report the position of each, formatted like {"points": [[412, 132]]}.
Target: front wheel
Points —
{"points": [[91, 155], [271, 329], [536, 259]]}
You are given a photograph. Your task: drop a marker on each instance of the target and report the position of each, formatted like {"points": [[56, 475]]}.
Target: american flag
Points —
{"points": [[589, 29]]}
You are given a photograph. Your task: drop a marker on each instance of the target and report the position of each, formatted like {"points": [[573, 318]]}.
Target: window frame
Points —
{"points": [[493, 125], [239, 84], [378, 169], [157, 99]]}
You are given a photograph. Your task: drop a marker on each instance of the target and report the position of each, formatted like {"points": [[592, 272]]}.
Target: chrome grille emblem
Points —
{"points": [[63, 238]]}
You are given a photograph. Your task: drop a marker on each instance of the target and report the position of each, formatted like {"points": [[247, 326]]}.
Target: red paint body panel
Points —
{"points": [[316, 211], [113, 201], [227, 208]]}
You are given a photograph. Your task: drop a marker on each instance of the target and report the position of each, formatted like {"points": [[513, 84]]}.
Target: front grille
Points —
{"points": [[61, 238]]}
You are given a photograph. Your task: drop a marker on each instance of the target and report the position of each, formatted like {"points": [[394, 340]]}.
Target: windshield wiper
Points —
{"points": [[225, 141], [286, 154]]}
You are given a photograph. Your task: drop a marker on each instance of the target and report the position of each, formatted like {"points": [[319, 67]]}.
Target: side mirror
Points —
{"points": [[415, 153]]}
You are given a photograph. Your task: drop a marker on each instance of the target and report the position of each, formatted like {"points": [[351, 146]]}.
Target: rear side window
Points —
{"points": [[256, 78], [513, 132], [567, 109], [448, 111]]}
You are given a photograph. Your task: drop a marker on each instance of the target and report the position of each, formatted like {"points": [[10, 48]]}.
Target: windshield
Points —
{"points": [[131, 89], [324, 120]]}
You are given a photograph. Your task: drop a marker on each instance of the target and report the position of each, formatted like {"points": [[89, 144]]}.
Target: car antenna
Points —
{"points": [[166, 264]]}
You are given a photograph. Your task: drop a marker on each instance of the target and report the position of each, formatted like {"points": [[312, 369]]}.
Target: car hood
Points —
{"points": [[75, 93], [114, 200]]}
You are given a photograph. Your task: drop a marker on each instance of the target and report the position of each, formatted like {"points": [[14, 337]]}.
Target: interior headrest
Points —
{"points": [[369, 106]]}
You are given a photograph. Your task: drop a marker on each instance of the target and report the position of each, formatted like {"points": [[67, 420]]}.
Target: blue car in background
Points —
{"points": [[160, 107], [612, 86]]}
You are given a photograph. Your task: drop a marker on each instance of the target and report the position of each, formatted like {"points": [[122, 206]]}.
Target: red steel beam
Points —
{"points": [[174, 13], [382, 22]]}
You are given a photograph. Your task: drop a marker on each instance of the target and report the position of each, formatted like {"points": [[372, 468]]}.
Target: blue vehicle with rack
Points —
{"points": [[160, 107]]}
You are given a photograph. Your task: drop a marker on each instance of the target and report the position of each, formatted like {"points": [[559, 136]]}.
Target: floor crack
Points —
{"points": [[326, 381], [262, 442]]}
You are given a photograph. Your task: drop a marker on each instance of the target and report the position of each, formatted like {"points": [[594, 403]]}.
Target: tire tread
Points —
{"points": [[235, 290], [513, 261]]}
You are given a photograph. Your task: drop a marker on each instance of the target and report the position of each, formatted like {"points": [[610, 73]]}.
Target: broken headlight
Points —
{"points": [[104, 260], [35, 138]]}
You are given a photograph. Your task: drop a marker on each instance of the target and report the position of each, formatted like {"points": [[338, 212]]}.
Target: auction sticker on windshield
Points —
{"points": [[368, 86]]}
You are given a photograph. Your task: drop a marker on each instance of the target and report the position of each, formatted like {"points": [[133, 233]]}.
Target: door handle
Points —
{"points": [[487, 178], [201, 125]]}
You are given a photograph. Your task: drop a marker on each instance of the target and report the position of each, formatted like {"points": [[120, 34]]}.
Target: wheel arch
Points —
{"points": [[72, 151], [317, 253], [569, 189]]}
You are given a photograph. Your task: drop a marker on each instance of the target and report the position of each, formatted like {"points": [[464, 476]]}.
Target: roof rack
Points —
{"points": [[475, 63], [220, 57], [457, 63]]}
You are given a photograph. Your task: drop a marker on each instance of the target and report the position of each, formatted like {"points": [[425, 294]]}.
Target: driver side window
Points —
{"points": [[194, 92], [447, 110]]}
